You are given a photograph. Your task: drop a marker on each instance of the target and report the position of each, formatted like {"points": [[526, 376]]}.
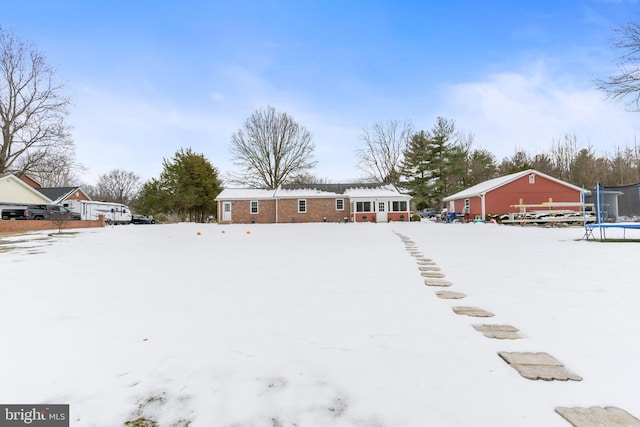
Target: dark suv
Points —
{"points": [[142, 219]]}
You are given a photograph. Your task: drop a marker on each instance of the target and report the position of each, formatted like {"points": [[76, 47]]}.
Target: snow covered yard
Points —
{"points": [[315, 324]]}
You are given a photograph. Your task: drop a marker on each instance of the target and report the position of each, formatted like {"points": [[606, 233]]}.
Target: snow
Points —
{"points": [[315, 324]]}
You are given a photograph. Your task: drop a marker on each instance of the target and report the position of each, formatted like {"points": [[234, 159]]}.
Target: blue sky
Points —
{"points": [[150, 77]]}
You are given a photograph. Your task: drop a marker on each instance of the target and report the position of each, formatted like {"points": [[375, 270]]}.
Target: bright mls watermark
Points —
{"points": [[34, 415]]}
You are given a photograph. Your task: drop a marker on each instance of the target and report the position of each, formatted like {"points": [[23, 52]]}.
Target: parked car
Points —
{"points": [[142, 219], [428, 213], [38, 212]]}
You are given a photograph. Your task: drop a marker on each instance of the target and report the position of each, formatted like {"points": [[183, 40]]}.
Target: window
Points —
{"points": [[302, 206], [363, 206], [381, 206], [399, 206], [532, 178], [339, 204], [254, 207]]}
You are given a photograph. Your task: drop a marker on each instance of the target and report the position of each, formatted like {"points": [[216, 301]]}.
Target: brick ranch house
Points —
{"points": [[495, 196], [313, 203]]}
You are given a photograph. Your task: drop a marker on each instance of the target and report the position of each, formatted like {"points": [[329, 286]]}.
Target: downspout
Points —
{"points": [[275, 196]]}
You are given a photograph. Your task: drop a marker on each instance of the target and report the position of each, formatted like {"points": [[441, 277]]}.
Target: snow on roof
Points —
{"points": [[382, 191], [245, 194], [304, 192], [494, 183], [320, 191]]}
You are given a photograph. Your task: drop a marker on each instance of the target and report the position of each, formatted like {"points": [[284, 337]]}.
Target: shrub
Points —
{"points": [[415, 217]]}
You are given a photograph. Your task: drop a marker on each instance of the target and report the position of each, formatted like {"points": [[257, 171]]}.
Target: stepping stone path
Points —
{"points": [[533, 366], [432, 274], [450, 295], [471, 311], [609, 416], [432, 282], [500, 332], [538, 366]]}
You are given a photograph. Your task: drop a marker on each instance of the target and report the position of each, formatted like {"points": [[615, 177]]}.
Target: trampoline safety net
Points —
{"points": [[616, 204]]}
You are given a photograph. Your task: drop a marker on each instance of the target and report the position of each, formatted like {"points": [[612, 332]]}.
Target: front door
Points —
{"points": [[381, 216], [226, 211]]}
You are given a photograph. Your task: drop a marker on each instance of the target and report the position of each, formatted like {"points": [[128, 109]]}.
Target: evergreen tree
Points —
{"points": [[187, 188], [416, 167], [440, 160], [435, 164], [481, 166]]}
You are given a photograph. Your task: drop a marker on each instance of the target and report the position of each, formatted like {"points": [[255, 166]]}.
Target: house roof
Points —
{"points": [[331, 188], [57, 193], [355, 190], [309, 192], [492, 184], [245, 194], [380, 191]]}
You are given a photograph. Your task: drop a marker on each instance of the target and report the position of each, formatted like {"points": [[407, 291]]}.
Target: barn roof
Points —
{"points": [[492, 184]]}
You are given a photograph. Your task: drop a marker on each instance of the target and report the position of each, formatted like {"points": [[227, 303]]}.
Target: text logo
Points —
{"points": [[34, 415]]}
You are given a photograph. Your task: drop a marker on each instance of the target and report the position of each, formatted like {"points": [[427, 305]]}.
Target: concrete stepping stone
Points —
{"points": [[450, 295], [423, 260], [429, 268], [609, 416], [471, 311], [538, 366], [501, 332], [432, 274], [426, 263], [435, 282]]}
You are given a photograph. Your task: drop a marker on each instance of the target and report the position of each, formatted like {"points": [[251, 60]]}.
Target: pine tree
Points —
{"points": [[416, 167], [187, 188], [440, 160]]}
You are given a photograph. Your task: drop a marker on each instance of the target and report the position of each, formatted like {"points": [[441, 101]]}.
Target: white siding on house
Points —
{"points": [[14, 190]]}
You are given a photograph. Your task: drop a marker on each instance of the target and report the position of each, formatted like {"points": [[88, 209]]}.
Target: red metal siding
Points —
{"points": [[499, 201]]}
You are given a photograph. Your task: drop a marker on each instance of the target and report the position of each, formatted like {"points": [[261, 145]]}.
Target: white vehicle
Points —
{"points": [[114, 213]]}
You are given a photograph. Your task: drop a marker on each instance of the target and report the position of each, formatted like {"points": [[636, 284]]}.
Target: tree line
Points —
{"points": [[272, 148], [435, 163]]}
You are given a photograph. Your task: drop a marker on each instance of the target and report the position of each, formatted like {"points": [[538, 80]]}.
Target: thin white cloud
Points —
{"points": [[529, 110], [113, 130]]}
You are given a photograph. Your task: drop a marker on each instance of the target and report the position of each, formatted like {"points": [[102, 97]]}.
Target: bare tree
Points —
{"points": [[307, 178], [625, 85], [270, 149], [381, 157], [57, 169], [117, 186], [33, 108]]}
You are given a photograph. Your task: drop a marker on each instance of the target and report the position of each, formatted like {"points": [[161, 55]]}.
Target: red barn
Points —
{"points": [[496, 196]]}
